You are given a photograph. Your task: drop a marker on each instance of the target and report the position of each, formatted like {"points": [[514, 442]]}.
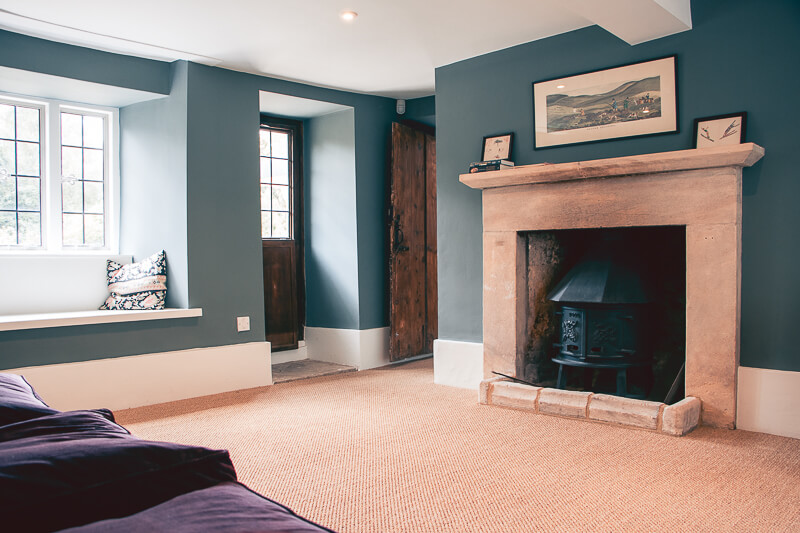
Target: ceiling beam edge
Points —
{"points": [[635, 21]]}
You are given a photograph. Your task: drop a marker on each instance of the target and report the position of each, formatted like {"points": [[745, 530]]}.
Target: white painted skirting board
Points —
{"points": [[769, 401], [457, 363], [363, 349], [124, 382]]}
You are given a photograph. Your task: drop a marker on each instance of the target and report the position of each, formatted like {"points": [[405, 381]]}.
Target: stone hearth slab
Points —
{"points": [[682, 417], [627, 411], [563, 402], [678, 419], [516, 395]]}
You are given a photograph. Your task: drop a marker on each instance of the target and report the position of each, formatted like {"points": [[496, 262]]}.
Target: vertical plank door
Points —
{"points": [[280, 293], [412, 243]]}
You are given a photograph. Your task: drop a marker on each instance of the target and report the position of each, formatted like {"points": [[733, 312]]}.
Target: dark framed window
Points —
{"points": [[277, 181]]}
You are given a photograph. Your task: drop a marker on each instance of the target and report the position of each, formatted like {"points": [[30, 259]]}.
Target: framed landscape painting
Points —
{"points": [[626, 101]]}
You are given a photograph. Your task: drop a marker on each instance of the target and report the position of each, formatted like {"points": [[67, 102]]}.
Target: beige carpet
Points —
{"points": [[386, 450]]}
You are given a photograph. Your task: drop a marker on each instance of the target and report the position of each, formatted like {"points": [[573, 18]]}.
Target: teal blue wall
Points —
{"points": [[153, 161], [740, 56], [77, 63], [207, 170], [331, 246], [421, 110]]}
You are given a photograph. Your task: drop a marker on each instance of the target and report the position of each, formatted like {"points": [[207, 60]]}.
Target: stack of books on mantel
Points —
{"points": [[494, 164]]}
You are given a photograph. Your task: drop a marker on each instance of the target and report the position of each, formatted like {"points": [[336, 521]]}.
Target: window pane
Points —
{"points": [[280, 171], [263, 141], [72, 162], [28, 194], [93, 131], [93, 197], [8, 192], [93, 165], [30, 229], [6, 121], [94, 229], [266, 224], [280, 145], [280, 225], [265, 172], [73, 229], [280, 198], [71, 129], [265, 199], [28, 159], [8, 228], [27, 124], [7, 158], [72, 196]]}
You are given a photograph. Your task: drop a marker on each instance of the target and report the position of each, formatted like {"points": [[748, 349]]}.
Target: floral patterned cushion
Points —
{"points": [[141, 285]]}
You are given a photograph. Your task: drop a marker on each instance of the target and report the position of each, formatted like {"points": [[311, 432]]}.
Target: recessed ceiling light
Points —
{"points": [[349, 16], [560, 86]]}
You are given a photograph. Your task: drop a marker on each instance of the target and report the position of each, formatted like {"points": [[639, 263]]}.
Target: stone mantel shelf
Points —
{"points": [[740, 155]]}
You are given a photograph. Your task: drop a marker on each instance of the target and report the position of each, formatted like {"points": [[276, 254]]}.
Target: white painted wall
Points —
{"points": [[457, 363], [768, 401], [32, 283]]}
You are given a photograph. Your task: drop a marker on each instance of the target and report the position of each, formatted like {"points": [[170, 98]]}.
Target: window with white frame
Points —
{"points": [[56, 175]]}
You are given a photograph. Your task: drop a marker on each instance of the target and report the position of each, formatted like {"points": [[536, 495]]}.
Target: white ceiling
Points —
{"points": [[391, 49]]}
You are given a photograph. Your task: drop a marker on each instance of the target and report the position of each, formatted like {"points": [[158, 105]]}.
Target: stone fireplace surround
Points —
{"points": [[700, 189]]}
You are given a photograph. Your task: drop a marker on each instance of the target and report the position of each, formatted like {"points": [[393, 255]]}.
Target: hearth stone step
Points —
{"points": [[677, 419]]}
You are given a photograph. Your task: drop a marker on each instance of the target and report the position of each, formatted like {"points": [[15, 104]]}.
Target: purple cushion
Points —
{"points": [[18, 400], [73, 468], [65, 426], [224, 508]]}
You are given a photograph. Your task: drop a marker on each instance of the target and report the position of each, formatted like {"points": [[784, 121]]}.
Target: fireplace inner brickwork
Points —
{"points": [[700, 190]]}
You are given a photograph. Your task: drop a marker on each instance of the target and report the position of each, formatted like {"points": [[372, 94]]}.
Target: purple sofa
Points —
{"points": [[79, 471]]}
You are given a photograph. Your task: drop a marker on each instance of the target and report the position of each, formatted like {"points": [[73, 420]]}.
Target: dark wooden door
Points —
{"points": [[280, 293], [412, 243], [282, 231]]}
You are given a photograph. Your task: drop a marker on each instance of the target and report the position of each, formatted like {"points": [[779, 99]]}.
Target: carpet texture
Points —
{"points": [[386, 450]]}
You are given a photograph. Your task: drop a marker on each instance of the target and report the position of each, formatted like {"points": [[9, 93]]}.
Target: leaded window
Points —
{"points": [[276, 183]]}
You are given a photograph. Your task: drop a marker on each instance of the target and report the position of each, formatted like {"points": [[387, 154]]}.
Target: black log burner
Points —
{"points": [[603, 317]]}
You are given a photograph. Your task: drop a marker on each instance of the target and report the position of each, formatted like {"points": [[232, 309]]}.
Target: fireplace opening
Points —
{"points": [[607, 308]]}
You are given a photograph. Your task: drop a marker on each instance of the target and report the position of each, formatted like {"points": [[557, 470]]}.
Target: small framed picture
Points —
{"points": [[720, 130], [497, 147]]}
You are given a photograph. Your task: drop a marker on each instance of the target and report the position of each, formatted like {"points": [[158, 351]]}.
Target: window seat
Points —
{"points": [[80, 318]]}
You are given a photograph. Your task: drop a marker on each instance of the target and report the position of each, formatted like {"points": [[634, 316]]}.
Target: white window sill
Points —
{"points": [[80, 318]]}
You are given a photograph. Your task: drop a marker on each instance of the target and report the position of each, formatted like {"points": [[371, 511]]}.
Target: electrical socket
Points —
{"points": [[242, 323]]}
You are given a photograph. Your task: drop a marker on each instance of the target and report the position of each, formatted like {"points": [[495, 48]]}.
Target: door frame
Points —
{"points": [[296, 127]]}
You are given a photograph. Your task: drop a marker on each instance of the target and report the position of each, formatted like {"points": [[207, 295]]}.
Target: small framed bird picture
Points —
{"points": [[720, 130], [497, 147]]}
